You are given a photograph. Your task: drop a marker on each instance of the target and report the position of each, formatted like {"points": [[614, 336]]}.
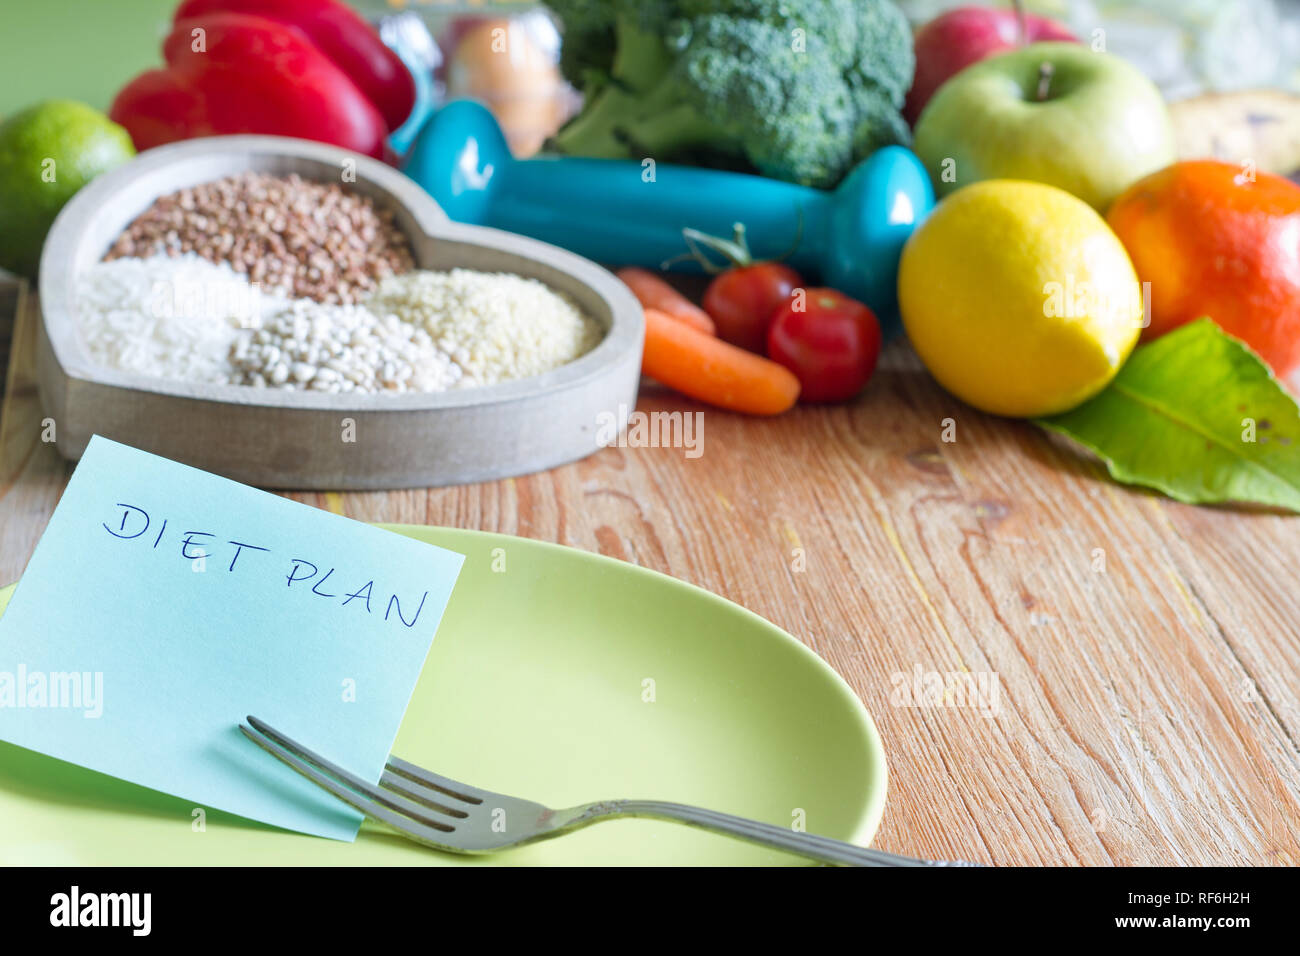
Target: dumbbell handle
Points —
{"points": [[618, 211]]}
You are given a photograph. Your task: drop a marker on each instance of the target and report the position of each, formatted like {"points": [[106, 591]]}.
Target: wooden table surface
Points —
{"points": [[1146, 653]]}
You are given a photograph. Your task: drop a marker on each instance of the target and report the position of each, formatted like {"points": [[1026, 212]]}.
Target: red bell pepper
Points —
{"points": [[343, 36], [246, 74]]}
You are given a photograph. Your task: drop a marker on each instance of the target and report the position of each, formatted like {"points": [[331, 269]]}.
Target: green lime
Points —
{"points": [[48, 152]]}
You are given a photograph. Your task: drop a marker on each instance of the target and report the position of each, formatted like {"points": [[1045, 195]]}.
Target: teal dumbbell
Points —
{"points": [[630, 213]]}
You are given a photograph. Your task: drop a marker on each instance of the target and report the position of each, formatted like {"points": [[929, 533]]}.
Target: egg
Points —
{"points": [[499, 63]]}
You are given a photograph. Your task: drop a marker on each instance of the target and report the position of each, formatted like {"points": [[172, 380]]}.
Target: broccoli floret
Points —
{"points": [[587, 54], [592, 53], [879, 124], [798, 91]]}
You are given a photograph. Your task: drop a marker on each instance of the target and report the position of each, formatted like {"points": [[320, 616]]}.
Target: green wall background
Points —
{"points": [[76, 49]]}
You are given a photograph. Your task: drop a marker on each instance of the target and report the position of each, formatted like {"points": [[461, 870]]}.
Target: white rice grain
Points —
{"points": [[163, 317], [186, 318], [497, 326]]}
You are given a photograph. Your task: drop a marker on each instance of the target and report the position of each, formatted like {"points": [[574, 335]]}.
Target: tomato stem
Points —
{"points": [[735, 250]]}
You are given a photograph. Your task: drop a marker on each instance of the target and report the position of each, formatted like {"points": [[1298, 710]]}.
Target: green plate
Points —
{"points": [[557, 675]]}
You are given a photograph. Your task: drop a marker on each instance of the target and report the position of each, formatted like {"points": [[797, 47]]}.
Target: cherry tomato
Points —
{"points": [[829, 341], [742, 300]]}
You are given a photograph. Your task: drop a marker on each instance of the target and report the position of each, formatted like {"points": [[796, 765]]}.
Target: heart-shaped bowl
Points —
{"points": [[309, 440]]}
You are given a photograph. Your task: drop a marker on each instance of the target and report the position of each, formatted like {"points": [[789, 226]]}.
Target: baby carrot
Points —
{"points": [[714, 371], [654, 293]]}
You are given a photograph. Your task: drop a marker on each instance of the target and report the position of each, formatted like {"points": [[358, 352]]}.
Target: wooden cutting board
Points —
{"points": [[1146, 653]]}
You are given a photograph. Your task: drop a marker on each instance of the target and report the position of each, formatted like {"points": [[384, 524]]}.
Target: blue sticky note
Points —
{"points": [[163, 604]]}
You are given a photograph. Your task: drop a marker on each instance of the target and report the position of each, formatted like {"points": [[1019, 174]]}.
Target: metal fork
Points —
{"points": [[457, 818]]}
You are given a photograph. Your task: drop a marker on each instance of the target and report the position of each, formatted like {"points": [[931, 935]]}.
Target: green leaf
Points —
{"points": [[1180, 415]]}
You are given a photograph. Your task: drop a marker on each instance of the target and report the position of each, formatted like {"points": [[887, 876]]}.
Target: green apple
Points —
{"points": [[1056, 113]]}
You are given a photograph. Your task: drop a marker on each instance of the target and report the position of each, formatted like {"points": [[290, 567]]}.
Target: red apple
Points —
{"points": [[953, 41]]}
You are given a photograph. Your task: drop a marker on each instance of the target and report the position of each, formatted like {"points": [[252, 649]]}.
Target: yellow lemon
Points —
{"points": [[1019, 298]]}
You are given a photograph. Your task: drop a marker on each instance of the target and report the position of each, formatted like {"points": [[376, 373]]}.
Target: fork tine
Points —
{"points": [[419, 794], [419, 831], [390, 808], [399, 770]]}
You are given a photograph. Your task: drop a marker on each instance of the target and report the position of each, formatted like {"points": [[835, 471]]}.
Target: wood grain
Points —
{"points": [[1146, 652]]}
